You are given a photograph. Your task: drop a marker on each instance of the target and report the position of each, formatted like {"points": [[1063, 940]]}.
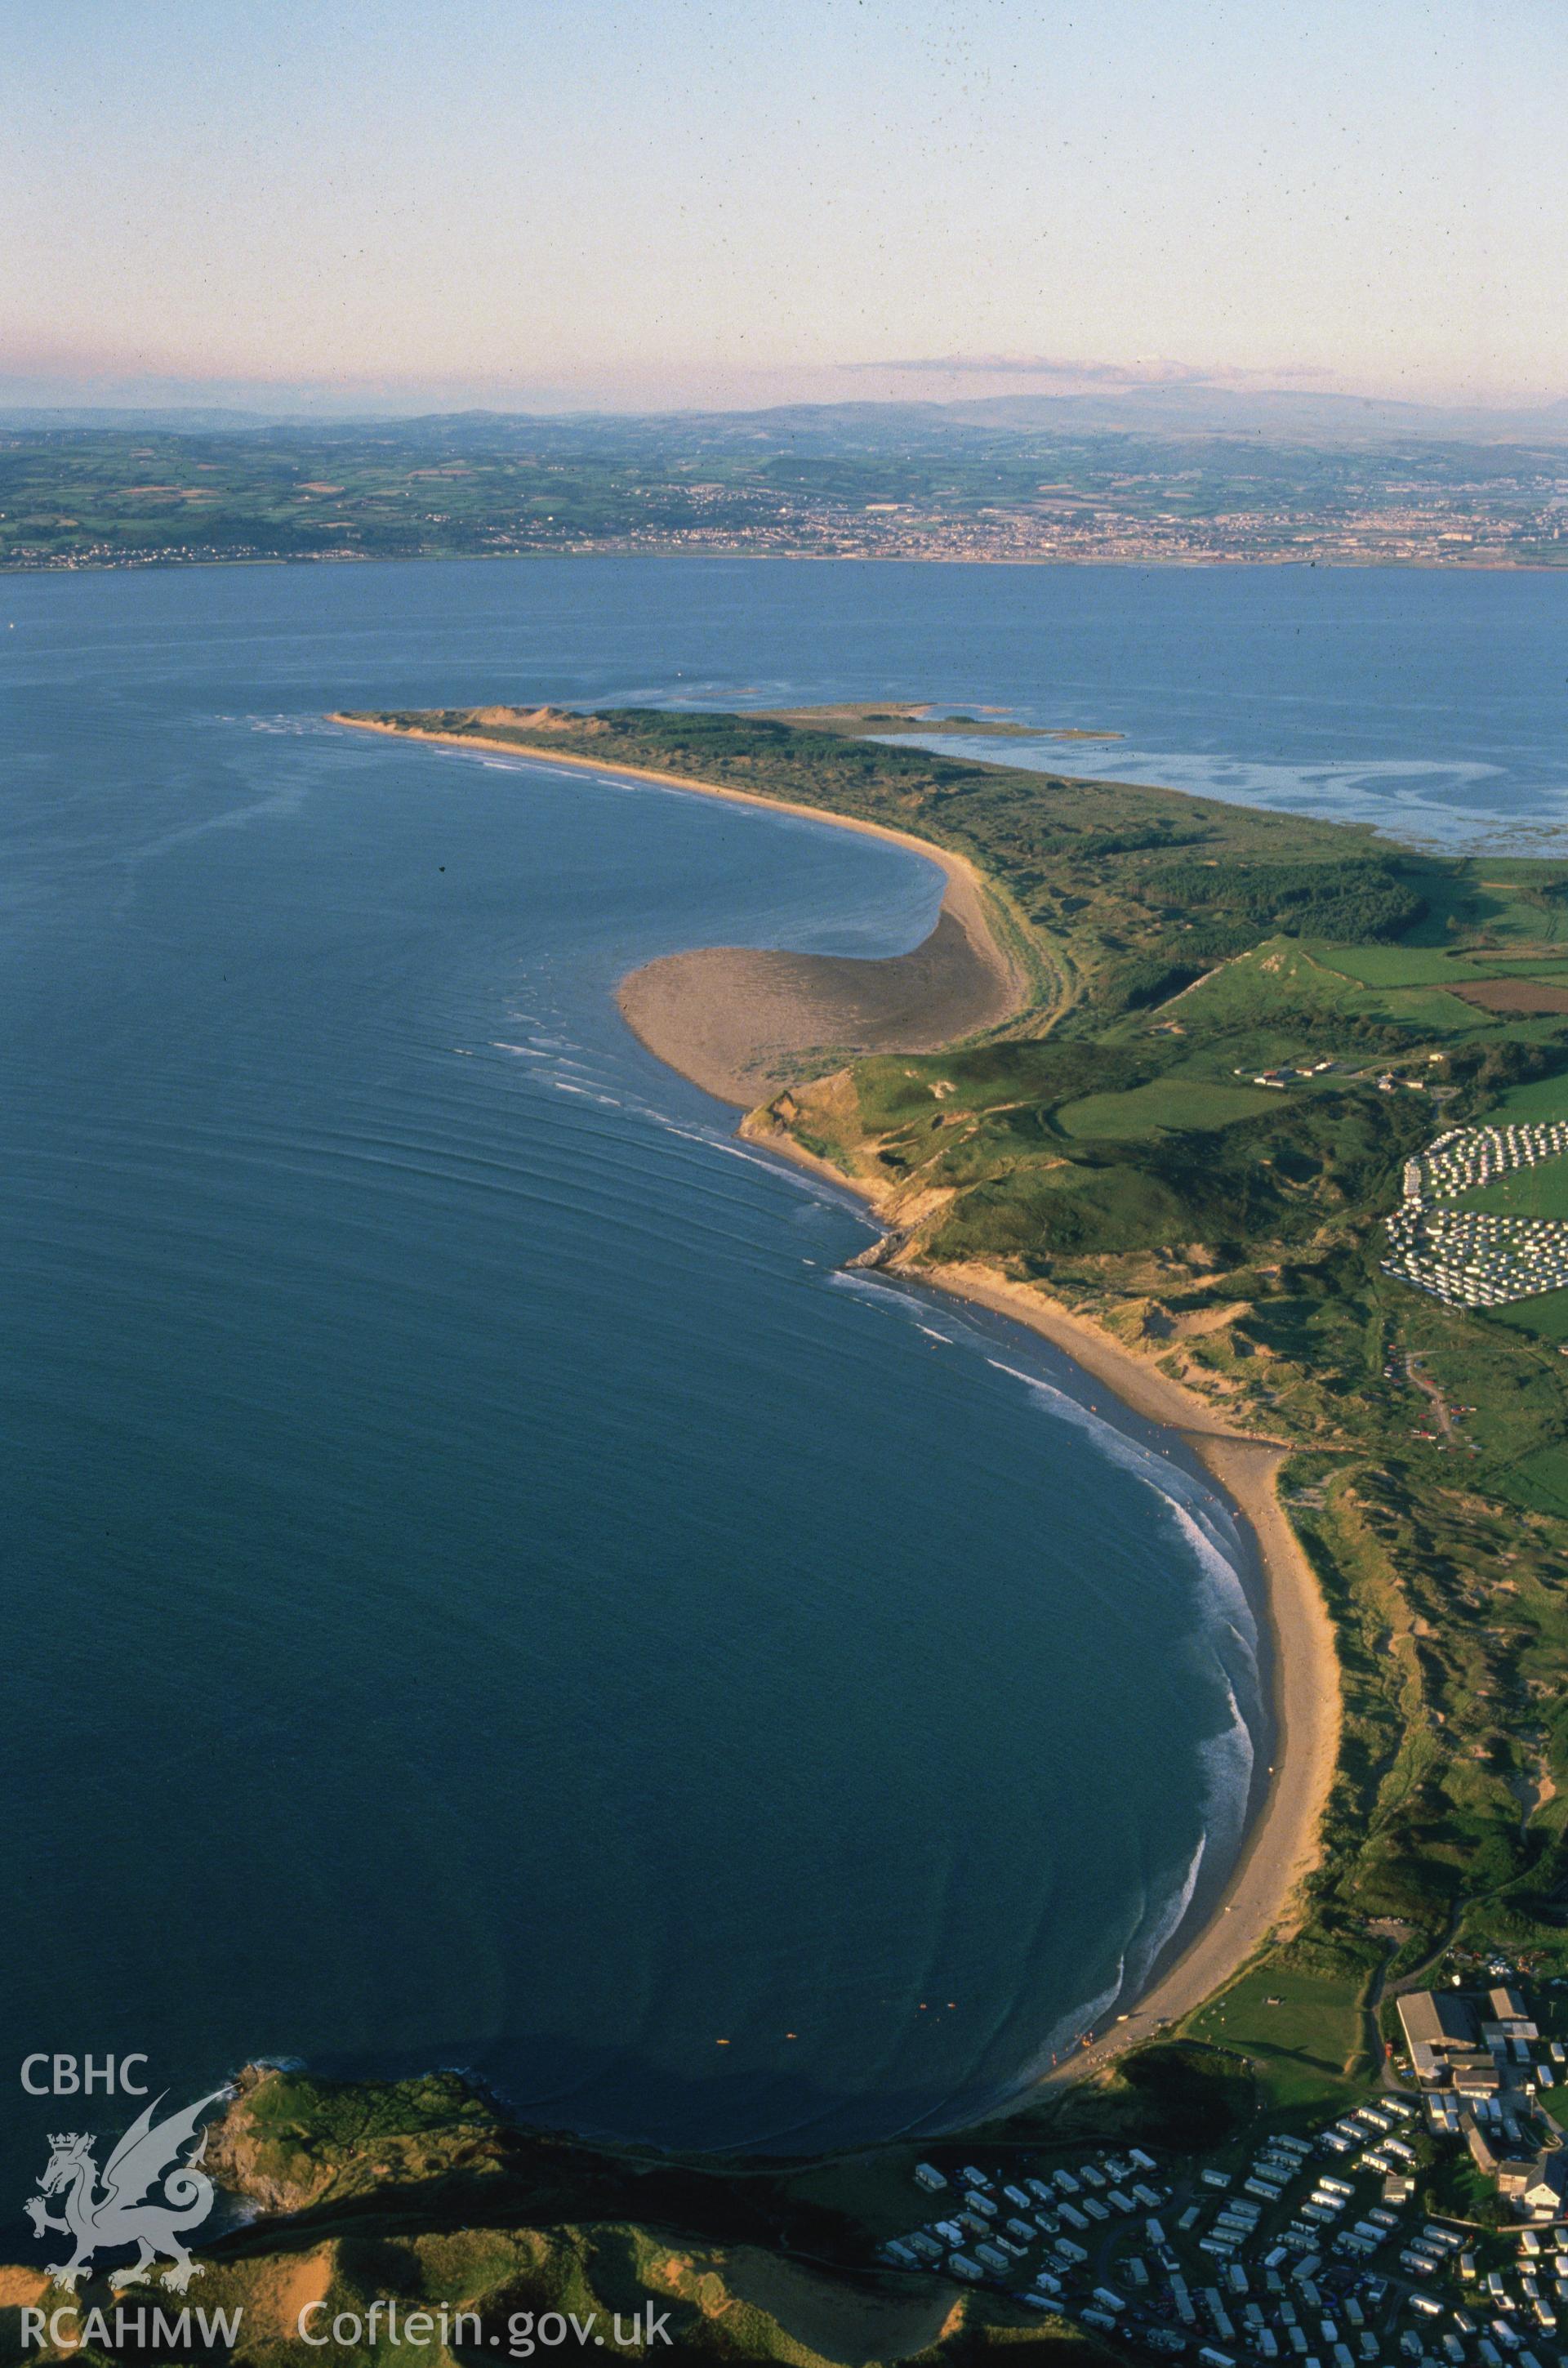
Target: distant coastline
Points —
{"points": [[670, 1006]]}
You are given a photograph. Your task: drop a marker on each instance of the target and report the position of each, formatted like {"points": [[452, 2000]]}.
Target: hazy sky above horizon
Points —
{"points": [[706, 200]]}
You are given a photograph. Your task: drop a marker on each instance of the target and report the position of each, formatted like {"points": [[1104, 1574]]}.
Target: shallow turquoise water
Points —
{"points": [[485, 1589]]}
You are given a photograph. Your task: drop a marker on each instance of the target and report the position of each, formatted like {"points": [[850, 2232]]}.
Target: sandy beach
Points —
{"points": [[725, 1017], [1281, 1844]]}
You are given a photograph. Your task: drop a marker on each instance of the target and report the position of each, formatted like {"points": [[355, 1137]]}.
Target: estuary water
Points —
{"points": [[484, 1589]]}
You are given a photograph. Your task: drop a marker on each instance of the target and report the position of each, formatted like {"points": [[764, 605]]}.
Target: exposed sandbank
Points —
{"points": [[739, 1021], [742, 1022]]}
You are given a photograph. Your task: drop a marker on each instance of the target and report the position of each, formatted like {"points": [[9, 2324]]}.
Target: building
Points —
{"points": [[1496, 2035], [1539, 2188], [1474, 2071], [1435, 2021], [1510, 2018]]}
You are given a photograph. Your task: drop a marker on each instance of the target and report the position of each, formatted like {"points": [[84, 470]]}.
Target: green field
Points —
{"points": [[1299, 2047], [1400, 965], [1278, 984], [1407, 965], [1541, 1481], [1525, 1192], [1545, 1318], [1537, 1102], [1167, 1105], [1493, 901]]}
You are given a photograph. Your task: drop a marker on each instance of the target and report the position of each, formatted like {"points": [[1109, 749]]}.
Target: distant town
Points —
{"points": [[854, 480]]}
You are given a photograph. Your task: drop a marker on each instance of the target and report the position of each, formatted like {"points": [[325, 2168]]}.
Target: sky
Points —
{"points": [[553, 204]]}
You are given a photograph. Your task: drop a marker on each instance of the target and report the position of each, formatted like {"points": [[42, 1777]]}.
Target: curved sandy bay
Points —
{"points": [[735, 1020]]}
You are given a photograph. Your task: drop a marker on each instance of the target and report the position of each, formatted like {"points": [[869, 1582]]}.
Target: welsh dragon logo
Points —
{"points": [[148, 2198]]}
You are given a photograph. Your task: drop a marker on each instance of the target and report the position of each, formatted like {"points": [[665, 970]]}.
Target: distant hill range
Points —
{"points": [[1280, 416], [188, 419], [1190, 409]]}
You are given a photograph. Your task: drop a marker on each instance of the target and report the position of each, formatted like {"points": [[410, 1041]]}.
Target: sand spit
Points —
{"points": [[742, 1022], [739, 1021]]}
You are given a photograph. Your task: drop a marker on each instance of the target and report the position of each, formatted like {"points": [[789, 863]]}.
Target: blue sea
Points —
{"points": [[485, 1588]]}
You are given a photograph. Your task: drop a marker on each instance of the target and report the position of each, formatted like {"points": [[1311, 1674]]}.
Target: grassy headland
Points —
{"points": [[416, 2193]]}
